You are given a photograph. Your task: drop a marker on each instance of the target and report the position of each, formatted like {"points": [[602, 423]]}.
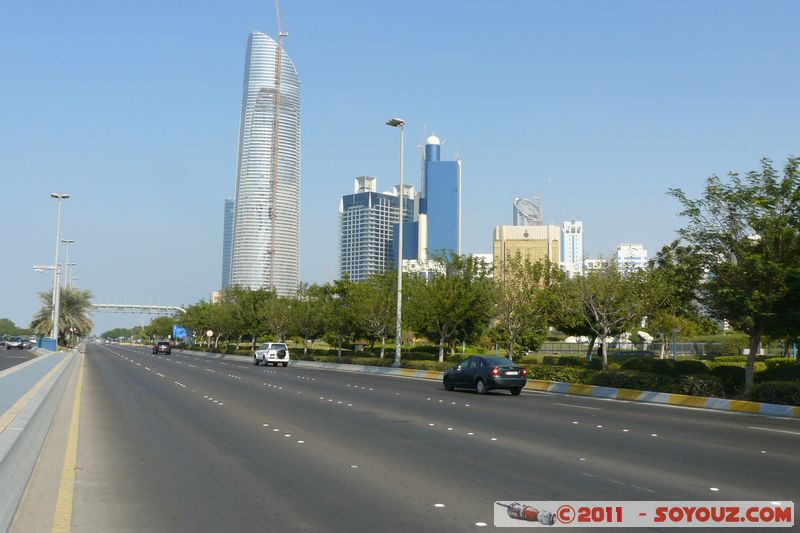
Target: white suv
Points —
{"points": [[276, 353]]}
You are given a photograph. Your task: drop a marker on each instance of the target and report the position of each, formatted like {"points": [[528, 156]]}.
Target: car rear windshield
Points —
{"points": [[163, 343], [278, 346], [498, 361]]}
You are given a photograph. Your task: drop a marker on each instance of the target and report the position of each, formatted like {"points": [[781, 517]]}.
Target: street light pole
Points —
{"points": [[66, 261], [56, 285], [399, 123]]}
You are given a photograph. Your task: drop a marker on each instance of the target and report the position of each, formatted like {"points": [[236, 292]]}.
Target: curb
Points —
{"points": [[557, 387], [22, 440]]}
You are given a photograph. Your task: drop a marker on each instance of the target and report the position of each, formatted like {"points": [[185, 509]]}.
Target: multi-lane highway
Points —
{"points": [[186, 443], [9, 358]]}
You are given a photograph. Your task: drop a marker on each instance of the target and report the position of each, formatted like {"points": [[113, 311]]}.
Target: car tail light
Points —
{"points": [[494, 371], [524, 372]]}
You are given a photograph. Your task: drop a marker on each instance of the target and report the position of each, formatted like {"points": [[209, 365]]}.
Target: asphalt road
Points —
{"points": [[186, 443], [13, 357]]}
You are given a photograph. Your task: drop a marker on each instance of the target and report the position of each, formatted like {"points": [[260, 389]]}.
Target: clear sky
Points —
{"points": [[133, 107]]}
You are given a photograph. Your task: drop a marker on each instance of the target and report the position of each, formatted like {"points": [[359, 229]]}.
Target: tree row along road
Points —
{"points": [[180, 442]]}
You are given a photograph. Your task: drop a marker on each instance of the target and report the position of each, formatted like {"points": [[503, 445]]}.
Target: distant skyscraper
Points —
{"points": [[366, 222], [441, 200], [572, 247], [631, 257], [227, 242], [527, 213], [535, 243], [260, 250]]}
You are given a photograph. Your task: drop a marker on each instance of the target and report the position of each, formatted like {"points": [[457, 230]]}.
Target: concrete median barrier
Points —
{"points": [[29, 396]]}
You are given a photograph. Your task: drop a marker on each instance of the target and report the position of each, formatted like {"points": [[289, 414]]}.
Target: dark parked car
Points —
{"points": [[484, 373], [162, 347]]}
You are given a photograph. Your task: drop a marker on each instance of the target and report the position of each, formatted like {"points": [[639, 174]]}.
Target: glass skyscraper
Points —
{"points": [[366, 222], [264, 255], [227, 243], [441, 200]]}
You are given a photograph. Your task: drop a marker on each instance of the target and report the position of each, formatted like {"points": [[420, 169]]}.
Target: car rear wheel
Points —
{"points": [[255, 361], [285, 364], [515, 390], [480, 387], [448, 384]]}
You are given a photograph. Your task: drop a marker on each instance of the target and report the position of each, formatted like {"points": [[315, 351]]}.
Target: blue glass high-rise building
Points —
{"points": [[441, 200], [366, 222]]}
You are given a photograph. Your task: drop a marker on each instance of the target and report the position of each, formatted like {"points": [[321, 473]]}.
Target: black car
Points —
{"points": [[162, 347], [484, 373]]}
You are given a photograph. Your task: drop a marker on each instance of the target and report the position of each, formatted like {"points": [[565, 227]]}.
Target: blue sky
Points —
{"points": [[597, 107]]}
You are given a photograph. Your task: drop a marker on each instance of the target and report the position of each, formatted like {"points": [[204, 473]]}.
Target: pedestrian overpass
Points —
{"points": [[138, 309]]}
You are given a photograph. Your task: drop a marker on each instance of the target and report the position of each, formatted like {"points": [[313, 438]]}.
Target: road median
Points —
{"points": [[557, 387]]}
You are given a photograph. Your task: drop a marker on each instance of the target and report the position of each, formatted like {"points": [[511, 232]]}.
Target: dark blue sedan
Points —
{"points": [[484, 373]]}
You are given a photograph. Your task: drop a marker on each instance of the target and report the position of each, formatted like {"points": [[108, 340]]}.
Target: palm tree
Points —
{"points": [[74, 311]]}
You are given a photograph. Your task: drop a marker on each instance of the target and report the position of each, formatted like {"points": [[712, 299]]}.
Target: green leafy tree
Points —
{"points": [[748, 232], [160, 327], [8, 328], [610, 300], [454, 299], [247, 311], [338, 313], [275, 313], [374, 303], [520, 299], [307, 314], [118, 333], [75, 308]]}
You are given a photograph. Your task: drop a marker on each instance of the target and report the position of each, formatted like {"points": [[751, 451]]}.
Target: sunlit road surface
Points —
{"points": [[185, 443], [13, 357]]}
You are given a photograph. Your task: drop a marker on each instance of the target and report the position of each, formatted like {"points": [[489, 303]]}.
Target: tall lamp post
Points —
{"points": [[399, 123], [67, 264], [56, 288]]}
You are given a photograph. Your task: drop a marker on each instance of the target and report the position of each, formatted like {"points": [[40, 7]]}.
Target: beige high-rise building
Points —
{"points": [[536, 243]]}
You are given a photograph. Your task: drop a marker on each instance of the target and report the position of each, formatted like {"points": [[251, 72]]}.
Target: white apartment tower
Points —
{"points": [[572, 247], [631, 257], [265, 250]]}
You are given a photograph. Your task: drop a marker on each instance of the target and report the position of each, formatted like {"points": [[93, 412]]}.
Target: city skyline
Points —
{"points": [[603, 108]]}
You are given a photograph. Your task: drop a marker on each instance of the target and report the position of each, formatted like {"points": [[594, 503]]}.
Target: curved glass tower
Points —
{"points": [[266, 222]]}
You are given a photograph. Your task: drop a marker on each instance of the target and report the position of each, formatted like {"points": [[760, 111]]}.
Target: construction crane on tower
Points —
{"points": [[275, 142]]}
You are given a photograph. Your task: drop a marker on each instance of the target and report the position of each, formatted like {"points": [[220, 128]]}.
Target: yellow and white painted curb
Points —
{"points": [[667, 398]]}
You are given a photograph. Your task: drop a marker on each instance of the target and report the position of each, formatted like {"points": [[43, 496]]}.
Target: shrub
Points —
{"points": [[700, 386], [779, 362], [564, 360], [780, 373], [731, 359], [731, 378], [566, 374], [634, 380], [780, 392], [649, 364], [728, 344], [526, 360], [684, 367], [425, 348], [426, 365]]}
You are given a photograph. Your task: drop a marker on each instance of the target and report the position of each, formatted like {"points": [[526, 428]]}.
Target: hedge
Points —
{"points": [[633, 380], [781, 392], [779, 373]]}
